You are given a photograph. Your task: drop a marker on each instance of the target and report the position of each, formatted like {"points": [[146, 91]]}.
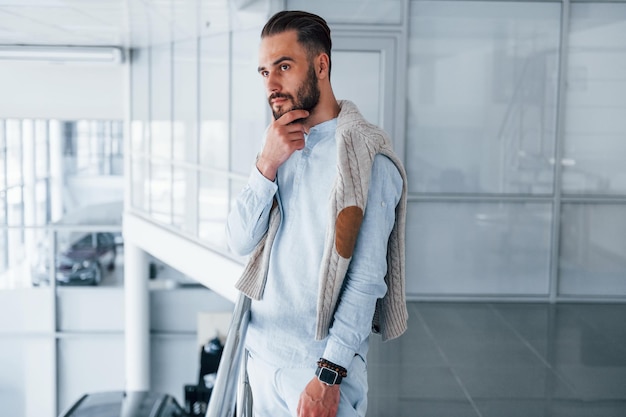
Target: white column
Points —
{"points": [[56, 170], [137, 318]]}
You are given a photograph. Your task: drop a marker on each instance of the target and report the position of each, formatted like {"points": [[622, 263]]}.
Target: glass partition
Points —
{"points": [[479, 248], [185, 203], [161, 101], [249, 120], [595, 126], [593, 250], [56, 173], [160, 189], [214, 101], [185, 101], [61, 193], [140, 100], [482, 89], [375, 12], [213, 203], [80, 256]]}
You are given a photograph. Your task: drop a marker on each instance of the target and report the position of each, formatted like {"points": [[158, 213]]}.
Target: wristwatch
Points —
{"points": [[328, 376]]}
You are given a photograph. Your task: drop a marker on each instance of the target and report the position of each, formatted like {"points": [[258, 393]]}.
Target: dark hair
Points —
{"points": [[313, 31]]}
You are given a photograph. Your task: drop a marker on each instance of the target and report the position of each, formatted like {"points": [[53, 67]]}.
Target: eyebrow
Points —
{"points": [[278, 61]]}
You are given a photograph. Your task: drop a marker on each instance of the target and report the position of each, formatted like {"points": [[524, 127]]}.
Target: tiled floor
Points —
{"points": [[502, 360]]}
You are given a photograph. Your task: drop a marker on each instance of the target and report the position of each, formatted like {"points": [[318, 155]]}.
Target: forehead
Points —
{"points": [[280, 45]]}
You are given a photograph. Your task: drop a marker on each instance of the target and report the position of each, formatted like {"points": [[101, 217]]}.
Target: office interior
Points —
{"points": [[140, 120]]}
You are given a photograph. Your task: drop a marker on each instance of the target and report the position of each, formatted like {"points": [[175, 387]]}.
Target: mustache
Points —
{"points": [[279, 95]]}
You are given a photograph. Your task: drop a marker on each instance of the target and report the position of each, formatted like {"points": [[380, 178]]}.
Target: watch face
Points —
{"points": [[327, 376]]}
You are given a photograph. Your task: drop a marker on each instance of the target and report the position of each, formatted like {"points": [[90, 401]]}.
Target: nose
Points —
{"points": [[271, 83]]}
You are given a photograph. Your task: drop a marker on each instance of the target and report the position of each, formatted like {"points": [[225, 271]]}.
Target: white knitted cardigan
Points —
{"points": [[358, 142]]}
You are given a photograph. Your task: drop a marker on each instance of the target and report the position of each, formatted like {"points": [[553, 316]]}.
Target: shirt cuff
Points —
{"points": [[262, 187], [338, 354]]}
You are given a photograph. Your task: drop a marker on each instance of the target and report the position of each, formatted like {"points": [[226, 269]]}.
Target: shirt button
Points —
{"points": [[383, 204]]}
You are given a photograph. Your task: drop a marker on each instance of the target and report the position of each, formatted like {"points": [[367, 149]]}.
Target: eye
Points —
{"points": [[284, 67], [264, 73]]}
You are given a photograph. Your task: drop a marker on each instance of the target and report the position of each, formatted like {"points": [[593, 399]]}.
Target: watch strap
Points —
{"points": [[330, 373]]}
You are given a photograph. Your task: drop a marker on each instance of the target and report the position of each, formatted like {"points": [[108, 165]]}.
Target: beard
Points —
{"points": [[307, 96]]}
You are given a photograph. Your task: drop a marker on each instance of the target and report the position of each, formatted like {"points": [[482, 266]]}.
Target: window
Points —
{"points": [[51, 171]]}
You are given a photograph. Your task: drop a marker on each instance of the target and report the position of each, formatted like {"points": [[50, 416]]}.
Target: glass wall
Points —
{"points": [[511, 156], [499, 249], [61, 184], [593, 225], [61, 193], [594, 147], [194, 140], [495, 184], [481, 117], [214, 148], [482, 97], [52, 175]]}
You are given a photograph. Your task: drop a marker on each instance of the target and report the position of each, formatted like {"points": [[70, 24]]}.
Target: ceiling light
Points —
{"points": [[62, 54]]}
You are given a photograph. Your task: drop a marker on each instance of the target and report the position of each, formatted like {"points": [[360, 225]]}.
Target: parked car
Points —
{"points": [[83, 262], [126, 404]]}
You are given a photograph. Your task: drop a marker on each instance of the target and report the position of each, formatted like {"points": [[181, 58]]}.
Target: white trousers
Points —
{"points": [[276, 391]]}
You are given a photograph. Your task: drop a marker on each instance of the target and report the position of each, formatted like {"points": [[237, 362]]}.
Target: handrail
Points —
{"points": [[224, 398], [244, 394]]}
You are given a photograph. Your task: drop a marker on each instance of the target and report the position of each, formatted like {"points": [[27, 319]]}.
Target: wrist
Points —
{"points": [[330, 373], [324, 386], [265, 168]]}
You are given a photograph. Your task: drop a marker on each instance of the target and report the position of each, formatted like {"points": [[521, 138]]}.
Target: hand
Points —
{"points": [[319, 400], [284, 136]]}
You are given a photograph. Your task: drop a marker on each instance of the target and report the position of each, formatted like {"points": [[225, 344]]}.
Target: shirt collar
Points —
{"points": [[322, 129]]}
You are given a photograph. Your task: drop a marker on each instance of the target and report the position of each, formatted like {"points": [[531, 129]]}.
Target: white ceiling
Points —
{"points": [[109, 22], [64, 22]]}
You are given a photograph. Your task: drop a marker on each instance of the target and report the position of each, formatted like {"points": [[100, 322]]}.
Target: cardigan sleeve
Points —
{"points": [[364, 283]]}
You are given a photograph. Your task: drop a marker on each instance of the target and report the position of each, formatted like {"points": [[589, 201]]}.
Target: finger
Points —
{"points": [[292, 115], [293, 128], [295, 137], [297, 133], [290, 131], [298, 145]]}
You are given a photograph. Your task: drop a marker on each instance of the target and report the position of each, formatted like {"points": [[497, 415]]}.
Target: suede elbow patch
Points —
{"points": [[347, 229]]}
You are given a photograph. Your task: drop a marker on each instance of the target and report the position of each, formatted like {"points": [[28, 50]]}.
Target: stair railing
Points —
{"points": [[231, 393]]}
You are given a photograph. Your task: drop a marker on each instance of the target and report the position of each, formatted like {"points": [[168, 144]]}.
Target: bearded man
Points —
{"points": [[322, 219]]}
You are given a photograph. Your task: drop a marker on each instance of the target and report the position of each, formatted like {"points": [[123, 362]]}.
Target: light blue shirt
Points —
{"points": [[283, 324]]}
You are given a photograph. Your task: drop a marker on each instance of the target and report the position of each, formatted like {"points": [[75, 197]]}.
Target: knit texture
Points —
{"points": [[358, 142]]}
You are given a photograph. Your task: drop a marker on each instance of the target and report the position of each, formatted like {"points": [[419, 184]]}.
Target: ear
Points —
{"points": [[323, 62]]}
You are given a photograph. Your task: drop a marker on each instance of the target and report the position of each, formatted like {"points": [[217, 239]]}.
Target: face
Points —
{"points": [[289, 75]]}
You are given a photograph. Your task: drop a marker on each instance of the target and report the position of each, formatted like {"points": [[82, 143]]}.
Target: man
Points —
{"points": [[322, 218]]}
